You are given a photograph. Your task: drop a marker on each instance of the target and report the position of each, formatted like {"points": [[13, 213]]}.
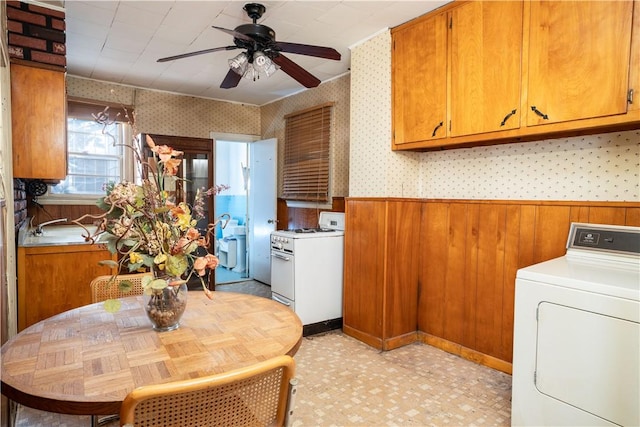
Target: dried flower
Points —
{"points": [[144, 225]]}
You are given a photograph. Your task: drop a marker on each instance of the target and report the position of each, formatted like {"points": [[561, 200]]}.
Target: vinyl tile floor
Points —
{"points": [[343, 382]]}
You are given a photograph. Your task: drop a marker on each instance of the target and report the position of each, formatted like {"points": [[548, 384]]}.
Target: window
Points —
{"points": [[306, 155], [94, 158], [95, 155]]}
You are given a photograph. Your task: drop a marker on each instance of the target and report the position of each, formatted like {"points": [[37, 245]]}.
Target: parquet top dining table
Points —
{"points": [[85, 361]]}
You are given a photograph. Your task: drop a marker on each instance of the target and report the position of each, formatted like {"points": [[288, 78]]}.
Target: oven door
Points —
{"points": [[282, 274]]}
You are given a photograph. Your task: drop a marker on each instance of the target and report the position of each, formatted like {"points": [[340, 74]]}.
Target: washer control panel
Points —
{"points": [[605, 238]]}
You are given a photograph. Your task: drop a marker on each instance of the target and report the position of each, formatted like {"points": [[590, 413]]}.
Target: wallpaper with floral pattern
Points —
{"points": [[166, 113], [602, 167]]}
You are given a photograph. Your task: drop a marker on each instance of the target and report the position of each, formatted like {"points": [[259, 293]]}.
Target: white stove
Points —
{"points": [[306, 272], [577, 332]]}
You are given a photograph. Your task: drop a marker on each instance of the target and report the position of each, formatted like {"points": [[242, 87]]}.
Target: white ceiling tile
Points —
{"points": [[122, 40]]}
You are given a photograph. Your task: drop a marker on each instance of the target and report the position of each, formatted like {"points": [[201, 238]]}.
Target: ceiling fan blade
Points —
{"points": [[309, 50], [297, 72], [199, 52], [234, 33], [230, 80]]}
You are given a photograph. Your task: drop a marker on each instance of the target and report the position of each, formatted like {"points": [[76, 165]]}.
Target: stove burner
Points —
{"points": [[312, 230]]}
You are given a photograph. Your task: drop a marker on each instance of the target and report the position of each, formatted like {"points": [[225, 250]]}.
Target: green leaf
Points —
{"points": [[102, 204], [135, 267], [112, 305], [158, 284], [109, 240], [108, 263], [146, 280], [176, 265], [147, 260], [125, 286]]}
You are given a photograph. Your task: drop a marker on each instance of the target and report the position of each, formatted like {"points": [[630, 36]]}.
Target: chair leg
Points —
{"points": [[293, 388], [97, 421]]}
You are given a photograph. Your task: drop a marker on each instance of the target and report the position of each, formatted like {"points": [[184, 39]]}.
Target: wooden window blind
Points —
{"points": [[306, 154]]}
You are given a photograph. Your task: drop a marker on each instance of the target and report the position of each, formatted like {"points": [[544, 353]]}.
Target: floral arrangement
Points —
{"points": [[148, 229]]}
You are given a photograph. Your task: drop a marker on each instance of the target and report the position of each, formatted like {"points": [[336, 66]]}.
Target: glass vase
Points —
{"points": [[165, 307]]}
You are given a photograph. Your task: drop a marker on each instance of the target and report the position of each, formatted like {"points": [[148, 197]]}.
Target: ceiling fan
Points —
{"points": [[263, 53]]}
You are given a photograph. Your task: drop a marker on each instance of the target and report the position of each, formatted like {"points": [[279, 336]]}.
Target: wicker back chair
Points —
{"points": [[257, 395], [102, 290]]}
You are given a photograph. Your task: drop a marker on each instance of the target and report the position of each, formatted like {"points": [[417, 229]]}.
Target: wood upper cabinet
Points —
{"points": [[485, 51], [457, 72], [578, 60], [516, 71], [420, 80], [634, 68], [38, 123]]}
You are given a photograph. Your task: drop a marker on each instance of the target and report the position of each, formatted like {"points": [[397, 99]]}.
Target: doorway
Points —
{"points": [[232, 168], [249, 168]]}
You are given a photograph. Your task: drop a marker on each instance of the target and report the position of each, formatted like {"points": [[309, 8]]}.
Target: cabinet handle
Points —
{"points": [[436, 129], [538, 112], [504, 121]]}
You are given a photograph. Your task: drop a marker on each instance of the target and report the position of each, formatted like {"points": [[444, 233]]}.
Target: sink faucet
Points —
{"points": [[39, 232]]}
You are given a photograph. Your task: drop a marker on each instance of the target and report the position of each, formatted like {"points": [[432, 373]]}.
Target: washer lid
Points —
{"points": [[619, 279]]}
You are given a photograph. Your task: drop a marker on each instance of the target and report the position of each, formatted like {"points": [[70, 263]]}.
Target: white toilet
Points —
{"points": [[232, 247], [228, 245]]}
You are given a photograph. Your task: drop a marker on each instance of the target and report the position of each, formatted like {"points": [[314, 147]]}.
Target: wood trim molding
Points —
{"points": [[596, 203], [465, 353]]}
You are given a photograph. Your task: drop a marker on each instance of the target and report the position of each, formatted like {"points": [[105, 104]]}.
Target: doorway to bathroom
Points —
{"points": [[248, 167], [231, 168]]}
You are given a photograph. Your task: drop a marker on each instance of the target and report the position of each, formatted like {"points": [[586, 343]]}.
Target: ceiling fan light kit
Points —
{"points": [[263, 54], [252, 68]]}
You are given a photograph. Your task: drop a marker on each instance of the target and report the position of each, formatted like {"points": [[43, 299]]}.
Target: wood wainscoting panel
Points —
{"points": [[434, 236], [291, 218], [365, 257], [632, 216], [471, 251], [400, 291], [551, 222], [466, 254]]}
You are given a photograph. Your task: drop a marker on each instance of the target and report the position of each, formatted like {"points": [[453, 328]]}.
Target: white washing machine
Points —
{"points": [[577, 333]]}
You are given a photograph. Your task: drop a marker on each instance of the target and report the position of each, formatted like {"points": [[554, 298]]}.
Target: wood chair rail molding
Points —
{"points": [[442, 271]]}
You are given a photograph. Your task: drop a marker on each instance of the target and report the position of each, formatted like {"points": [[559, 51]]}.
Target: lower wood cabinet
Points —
{"points": [[54, 279], [443, 271]]}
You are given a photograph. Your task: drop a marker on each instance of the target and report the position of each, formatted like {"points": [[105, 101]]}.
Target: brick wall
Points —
{"points": [[19, 203], [36, 34]]}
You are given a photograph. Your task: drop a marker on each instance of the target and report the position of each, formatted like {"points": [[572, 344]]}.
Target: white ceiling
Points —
{"points": [[121, 41]]}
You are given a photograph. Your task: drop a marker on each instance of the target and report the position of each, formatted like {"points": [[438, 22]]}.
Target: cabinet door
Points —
{"points": [[51, 279], [486, 46], [578, 60], [38, 123], [634, 68], [419, 69]]}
